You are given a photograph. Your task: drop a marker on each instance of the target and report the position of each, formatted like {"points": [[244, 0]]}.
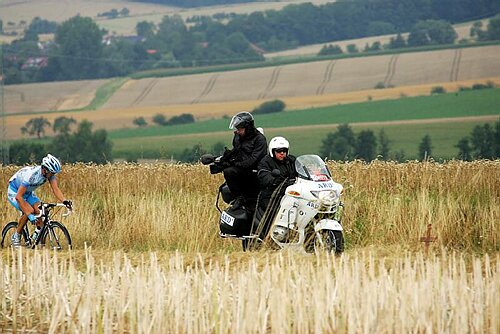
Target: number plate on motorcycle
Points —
{"points": [[226, 218]]}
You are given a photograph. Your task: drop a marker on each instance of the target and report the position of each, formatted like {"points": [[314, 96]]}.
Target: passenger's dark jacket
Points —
{"points": [[267, 181], [247, 151]]}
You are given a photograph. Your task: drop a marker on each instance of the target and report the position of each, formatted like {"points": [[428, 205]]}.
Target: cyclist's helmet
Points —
{"points": [[243, 119], [277, 143], [51, 163]]}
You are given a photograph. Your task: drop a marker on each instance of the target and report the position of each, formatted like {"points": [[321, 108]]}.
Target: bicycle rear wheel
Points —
{"points": [[7, 233], [56, 236]]}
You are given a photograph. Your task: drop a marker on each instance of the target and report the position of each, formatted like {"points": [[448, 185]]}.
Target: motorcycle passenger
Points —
{"points": [[22, 196], [278, 159], [249, 147]]}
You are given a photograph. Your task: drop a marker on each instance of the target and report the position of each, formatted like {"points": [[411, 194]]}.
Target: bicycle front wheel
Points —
{"points": [[7, 233], [56, 236]]}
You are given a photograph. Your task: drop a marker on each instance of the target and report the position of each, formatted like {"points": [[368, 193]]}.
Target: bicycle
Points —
{"points": [[52, 233]]}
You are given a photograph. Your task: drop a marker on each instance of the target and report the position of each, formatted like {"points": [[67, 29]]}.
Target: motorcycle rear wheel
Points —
{"points": [[329, 241]]}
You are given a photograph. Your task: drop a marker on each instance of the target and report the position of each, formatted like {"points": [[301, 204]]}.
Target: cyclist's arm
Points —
{"points": [[25, 207], [55, 188]]}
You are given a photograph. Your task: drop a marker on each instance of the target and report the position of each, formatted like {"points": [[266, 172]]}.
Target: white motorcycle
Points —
{"points": [[303, 214]]}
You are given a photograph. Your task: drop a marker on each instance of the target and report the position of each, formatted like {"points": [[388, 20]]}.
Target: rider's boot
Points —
{"points": [[238, 202]]}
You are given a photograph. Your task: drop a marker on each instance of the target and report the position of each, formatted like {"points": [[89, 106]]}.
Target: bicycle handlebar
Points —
{"points": [[44, 206]]}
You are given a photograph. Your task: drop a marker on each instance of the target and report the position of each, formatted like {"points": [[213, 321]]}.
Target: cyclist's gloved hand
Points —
{"points": [[32, 218], [68, 203]]}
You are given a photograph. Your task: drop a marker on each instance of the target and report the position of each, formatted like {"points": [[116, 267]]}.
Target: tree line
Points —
{"points": [[82, 144], [78, 51]]}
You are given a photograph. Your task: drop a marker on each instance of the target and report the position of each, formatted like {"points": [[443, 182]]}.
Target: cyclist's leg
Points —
{"points": [[11, 195]]}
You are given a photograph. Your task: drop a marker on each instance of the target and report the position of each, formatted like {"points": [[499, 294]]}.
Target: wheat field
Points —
{"points": [[147, 257]]}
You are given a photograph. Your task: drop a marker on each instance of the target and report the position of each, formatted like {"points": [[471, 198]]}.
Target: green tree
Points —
{"points": [[352, 48], [24, 152], [79, 49], [432, 32], [398, 42], [366, 145], [63, 124], [339, 145], [330, 49], [464, 149], [140, 121], [384, 145], [483, 141], [425, 148], [269, 107], [493, 31], [125, 11], [84, 145], [145, 29], [160, 119], [36, 126]]}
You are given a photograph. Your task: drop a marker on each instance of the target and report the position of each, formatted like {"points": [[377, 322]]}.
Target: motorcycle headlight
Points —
{"points": [[326, 197]]}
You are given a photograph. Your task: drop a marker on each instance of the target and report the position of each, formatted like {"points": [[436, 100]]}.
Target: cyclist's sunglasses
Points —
{"points": [[281, 150]]}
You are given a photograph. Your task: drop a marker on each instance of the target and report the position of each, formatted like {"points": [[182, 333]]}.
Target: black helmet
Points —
{"points": [[243, 119]]}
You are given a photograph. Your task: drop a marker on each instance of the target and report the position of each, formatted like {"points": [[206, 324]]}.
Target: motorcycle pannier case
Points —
{"points": [[235, 221]]}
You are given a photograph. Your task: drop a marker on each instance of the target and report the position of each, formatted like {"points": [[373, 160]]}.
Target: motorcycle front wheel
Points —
{"points": [[329, 241]]}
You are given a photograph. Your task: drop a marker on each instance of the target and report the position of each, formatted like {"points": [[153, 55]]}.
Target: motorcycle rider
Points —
{"points": [[249, 147], [277, 160]]}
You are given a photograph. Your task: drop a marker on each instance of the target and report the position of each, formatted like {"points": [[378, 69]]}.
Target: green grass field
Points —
{"points": [[164, 142]]}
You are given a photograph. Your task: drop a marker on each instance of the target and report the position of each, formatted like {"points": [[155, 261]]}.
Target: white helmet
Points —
{"points": [[52, 164], [278, 142]]}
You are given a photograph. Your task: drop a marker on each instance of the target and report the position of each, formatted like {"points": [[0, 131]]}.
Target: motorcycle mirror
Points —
{"points": [[207, 159], [276, 172]]}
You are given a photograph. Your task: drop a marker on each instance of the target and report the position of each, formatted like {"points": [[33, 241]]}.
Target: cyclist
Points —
{"points": [[21, 192]]}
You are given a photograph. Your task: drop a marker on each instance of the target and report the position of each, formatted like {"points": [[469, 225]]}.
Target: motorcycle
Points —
{"points": [[303, 214]]}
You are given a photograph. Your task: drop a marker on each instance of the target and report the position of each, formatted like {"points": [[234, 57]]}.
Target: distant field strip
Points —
{"points": [[327, 78]]}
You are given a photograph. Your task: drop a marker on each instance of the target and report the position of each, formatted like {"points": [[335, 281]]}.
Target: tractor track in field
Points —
{"points": [[208, 88], [327, 77], [455, 66], [391, 70], [145, 92], [272, 83]]}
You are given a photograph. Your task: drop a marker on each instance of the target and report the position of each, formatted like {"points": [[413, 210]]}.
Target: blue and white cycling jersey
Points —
{"points": [[29, 177]]}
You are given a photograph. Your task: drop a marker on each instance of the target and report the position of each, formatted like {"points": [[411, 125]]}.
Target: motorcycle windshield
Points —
{"points": [[311, 167]]}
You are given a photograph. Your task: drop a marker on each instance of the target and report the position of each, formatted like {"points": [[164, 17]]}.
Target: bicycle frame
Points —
{"points": [[45, 215]]}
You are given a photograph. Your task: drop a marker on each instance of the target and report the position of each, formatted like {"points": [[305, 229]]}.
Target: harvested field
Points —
{"points": [[315, 78], [52, 96], [258, 85], [122, 117]]}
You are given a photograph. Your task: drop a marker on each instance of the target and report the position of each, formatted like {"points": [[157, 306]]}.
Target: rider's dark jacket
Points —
{"points": [[249, 150], [269, 182]]}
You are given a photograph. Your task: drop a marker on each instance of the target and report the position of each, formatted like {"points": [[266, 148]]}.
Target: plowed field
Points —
{"points": [[309, 79]]}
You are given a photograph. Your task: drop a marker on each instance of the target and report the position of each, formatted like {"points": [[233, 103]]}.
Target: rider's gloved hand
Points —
{"points": [[68, 203], [32, 218], [278, 180], [224, 164]]}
